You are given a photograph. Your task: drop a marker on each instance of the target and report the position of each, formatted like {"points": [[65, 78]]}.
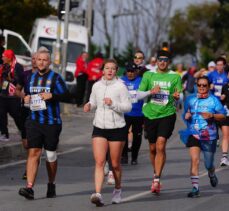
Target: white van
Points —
{"points": [[44, 33], [16, 42]]}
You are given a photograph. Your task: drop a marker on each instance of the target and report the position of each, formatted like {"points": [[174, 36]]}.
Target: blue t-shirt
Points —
{"points": [[203, 129], [218, 80], [132, 86]]}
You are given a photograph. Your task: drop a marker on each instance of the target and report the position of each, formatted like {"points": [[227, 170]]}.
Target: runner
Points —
{"points": [[201, 111], [225, 126], [160, 112], [134, 118], [111, 99], [44, 125], [22, 89]]}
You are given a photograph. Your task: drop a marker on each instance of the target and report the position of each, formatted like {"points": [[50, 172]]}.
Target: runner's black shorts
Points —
{"points": [[42, 135], [117, 134], [162, 127], [204, 145]]}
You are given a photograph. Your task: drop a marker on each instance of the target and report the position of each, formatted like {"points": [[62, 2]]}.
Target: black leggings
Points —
{"points": [[137, 124]]}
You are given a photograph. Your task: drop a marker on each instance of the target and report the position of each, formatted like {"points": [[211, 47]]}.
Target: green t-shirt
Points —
{"points": [[161, 104]]}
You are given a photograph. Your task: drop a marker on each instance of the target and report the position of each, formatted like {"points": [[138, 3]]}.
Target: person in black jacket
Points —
{"points": [[11, 74]]}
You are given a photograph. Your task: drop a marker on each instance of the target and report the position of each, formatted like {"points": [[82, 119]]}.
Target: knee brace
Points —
{"points": [[51, 156]]}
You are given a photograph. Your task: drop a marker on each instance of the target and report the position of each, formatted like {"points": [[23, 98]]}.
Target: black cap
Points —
{"points": [[131, 66], [164, 53]]}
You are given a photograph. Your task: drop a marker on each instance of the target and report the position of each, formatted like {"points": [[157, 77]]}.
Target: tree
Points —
{"points": [[19, 15], [193, 31]]}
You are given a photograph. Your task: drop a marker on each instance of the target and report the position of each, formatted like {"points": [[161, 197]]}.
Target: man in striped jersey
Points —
{"points": [[46, 89]]}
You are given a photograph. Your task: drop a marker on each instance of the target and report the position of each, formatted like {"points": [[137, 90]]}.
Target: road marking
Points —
{"points": [[139, 195], [24, 161]]}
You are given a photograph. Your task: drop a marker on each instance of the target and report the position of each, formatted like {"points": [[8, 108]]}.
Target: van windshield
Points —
{"points": [[73, 51]]}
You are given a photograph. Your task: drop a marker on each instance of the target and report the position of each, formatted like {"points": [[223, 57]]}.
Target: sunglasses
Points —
{"points": [[163, 59], [202, 85], [138, 57], [131, 71]]}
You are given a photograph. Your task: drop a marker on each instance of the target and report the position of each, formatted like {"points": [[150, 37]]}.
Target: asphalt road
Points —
{"points": [[75, 178]]}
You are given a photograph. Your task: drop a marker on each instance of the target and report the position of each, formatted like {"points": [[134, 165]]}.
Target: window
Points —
{"points": [[73, 51], [17, 45]]}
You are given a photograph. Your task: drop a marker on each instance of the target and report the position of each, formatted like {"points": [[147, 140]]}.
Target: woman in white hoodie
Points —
{"points": [[111, 100]]}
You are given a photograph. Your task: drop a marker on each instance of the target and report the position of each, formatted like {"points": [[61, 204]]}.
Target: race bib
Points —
{"points": [[218, 90], [161, 98], [133, 95], [36, 103], [5, 85]]}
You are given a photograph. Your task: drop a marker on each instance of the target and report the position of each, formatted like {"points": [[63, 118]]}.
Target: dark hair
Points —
{"points": [[111, 61], [203, 78], [221, 59], [139, 51], [99, 55]]}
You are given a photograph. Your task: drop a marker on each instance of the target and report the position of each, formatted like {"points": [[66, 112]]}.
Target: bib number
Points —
{"points": [[161, 98], [36, 103]]}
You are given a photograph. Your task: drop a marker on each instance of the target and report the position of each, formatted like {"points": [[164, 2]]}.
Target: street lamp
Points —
{"points": [[113, 29]]}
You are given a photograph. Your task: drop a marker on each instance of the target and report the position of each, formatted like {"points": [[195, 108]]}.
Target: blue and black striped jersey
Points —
{"points": [[53, 83]]}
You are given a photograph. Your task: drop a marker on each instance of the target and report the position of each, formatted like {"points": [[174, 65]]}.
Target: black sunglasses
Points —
{"points": [[131, 71], [202, 85], [160, 59]]}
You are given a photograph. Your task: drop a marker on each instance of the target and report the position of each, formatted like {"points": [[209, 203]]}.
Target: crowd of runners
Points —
{"points": [[146, 98]]}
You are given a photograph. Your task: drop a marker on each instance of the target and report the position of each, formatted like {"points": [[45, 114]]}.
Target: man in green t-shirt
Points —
{"points": [[159, 111]]}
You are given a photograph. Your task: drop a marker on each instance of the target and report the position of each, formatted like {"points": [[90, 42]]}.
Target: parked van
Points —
{"points": [[44, 33], [20, 47]]}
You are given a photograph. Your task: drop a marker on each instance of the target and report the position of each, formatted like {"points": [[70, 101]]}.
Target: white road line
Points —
{"points": [[139, 195], [24, 161]]}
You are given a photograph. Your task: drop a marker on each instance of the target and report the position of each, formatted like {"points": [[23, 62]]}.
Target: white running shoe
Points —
{"points": [[4, 138], [110, 178], [224, 161], [116, 198], [96, 198], [106, 168]]}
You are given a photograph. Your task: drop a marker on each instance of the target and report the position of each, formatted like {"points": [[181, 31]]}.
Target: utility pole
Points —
{"points": [[113, 29], [65, 40]]}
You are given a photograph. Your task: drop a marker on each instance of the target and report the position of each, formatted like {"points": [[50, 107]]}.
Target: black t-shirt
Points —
{"points": [[7, 84]]}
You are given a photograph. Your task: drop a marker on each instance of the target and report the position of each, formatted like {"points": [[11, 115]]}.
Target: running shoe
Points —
{"points": [[96, 198], [134, 162], [224, 162], [194, 193], [110, 178], [51, 190], [4, 138], [156, 187], [106, 168], [28, 193], [116, 198], [213, 180]]}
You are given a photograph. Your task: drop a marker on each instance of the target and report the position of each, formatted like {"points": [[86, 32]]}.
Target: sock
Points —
{"points": [[156, 179], [117, 190], [29, 185], [224, 154], [195, 181]]}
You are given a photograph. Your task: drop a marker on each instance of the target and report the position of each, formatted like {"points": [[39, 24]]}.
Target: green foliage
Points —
{"points": [[199, 28], [19, 15], [126, 55]]}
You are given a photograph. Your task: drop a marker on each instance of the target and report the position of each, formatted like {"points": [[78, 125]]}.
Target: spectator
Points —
{"points": [[94, 71], [81, 77], [152, 66]]}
